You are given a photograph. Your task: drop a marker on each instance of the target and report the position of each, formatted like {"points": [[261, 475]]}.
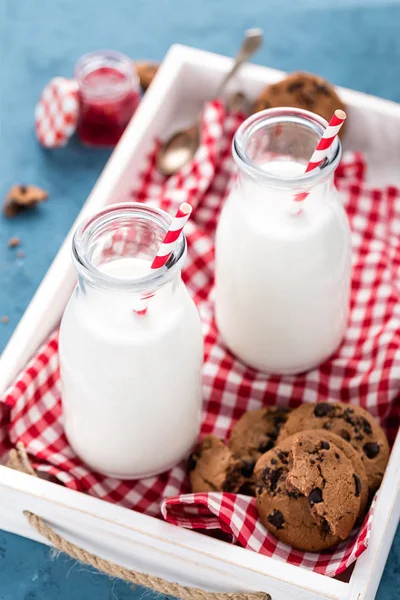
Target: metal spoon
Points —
{"points": [[180, 148]]}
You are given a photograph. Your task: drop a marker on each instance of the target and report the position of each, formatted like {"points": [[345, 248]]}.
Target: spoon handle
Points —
{"points": [[252, 42]]}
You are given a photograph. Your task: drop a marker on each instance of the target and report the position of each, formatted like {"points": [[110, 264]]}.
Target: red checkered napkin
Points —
{"points": [[365, 371], [57, 112], [237, 515]]}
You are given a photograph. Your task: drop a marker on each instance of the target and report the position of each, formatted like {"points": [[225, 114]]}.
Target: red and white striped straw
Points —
{"points": [[167, 247], [321, 151], [172, 236]]}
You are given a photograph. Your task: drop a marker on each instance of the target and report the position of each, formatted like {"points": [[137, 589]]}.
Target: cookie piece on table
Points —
{"points": [[306, 496], [353, 424], [213, 468], [256, 431], [302, 90], [21, 197], [146, 71]]}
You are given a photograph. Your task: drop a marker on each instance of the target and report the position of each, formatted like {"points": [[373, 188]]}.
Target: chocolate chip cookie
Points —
{"points": [[360, 475], [213, 468], [301, 90], [256, 431], [307, 494], [353, 424]]}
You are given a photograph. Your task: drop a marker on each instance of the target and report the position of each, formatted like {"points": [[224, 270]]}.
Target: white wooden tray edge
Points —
{"points": [[71, 512]]}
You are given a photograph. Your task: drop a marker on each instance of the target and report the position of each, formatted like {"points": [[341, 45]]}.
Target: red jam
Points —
{"points": [[109, 95]]}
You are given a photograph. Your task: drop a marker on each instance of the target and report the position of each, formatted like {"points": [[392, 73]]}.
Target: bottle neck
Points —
{"points": [[272, 149], [114, 249]]}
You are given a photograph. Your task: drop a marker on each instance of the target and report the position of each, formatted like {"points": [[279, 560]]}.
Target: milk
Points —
{"points": [[282, 279], [131, 384]]}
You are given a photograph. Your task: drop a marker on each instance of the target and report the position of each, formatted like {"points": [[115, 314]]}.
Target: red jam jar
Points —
{"points": [[109, 92]]}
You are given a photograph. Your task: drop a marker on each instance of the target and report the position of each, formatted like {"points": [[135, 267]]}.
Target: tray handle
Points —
{"points": [[19, 461], [135, 577]]}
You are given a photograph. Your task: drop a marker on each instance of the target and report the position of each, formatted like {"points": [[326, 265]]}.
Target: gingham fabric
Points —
{"points": [[365, 371], [57, 112]]}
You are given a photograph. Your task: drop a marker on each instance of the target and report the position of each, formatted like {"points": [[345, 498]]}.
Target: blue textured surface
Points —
{"points": [[354, 43]]}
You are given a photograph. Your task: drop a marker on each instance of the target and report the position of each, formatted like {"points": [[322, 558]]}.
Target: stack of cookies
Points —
{"points": [[313, 470]]}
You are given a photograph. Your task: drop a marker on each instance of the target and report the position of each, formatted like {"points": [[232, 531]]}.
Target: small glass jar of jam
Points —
{"points": [[109, 93]]}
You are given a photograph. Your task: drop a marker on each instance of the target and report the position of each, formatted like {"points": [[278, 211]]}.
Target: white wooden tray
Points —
{"points": [[187, 78]]}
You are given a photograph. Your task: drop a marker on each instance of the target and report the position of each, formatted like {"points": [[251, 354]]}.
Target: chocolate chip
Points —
{"points": [[274, 434], [322, 89], [294, 494], [312, 461], [276, 519], [315, 497], [283, 457], [247, 489], [345, 435], [348, 416], [192, 462], [23, 189], [271, 477], [325, 527], [306, 99], [325, 445], [327, 426], [228, 486], [323, 409], [359, 437], [247, 468], [295, 85], [259, 490], [274, 461], [233, 479], [358, 485], [366, 426], [337, 456], [371, 449], [265, 446], [279, 420]]}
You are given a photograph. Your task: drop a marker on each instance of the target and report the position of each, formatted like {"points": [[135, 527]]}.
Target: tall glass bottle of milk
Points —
{"points": [[283, 268], [131, 383]]}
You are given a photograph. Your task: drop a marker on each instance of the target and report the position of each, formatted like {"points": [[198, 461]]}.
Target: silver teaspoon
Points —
{"points": [[180, 148]]}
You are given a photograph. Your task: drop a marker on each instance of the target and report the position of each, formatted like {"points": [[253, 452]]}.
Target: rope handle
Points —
{"points": [[19, 461]]}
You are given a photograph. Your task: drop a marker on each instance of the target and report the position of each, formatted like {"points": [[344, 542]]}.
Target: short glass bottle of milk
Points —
{"points": [[283, 268], [130, 383]]}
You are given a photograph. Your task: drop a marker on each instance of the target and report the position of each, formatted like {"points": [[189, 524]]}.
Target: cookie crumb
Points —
{"points": [[4, 319], [13, 242], [21, 197], [146, 71]]}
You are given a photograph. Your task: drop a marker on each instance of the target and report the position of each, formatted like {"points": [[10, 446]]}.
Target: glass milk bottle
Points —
{"points": [[283, 268], [131, 383]]}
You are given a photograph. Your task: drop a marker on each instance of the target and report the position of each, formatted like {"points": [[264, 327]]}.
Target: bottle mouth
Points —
{"points": [[283, 133], [128, 230], [109, 87]]}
